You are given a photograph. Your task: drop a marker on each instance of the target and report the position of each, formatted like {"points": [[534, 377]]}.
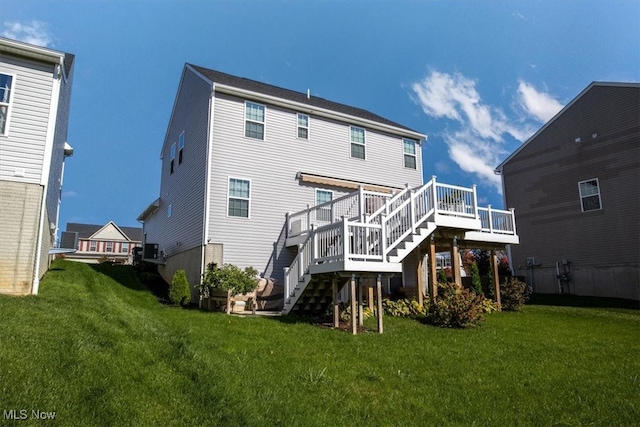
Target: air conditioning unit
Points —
{"points": [[69, 240], [150, 251]]}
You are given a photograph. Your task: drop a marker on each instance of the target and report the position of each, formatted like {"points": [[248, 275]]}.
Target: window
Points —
{"points": [[357, 142], [323, 196], [92, 246], [254, 120], [409, 149], [6, 86], [124, 248], [590, 195], [180, 147], [173, 157], [303, 126], [109, 247], [239, 196]]}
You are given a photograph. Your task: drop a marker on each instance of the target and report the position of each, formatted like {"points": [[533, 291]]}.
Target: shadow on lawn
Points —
{"points": [[123, 274], [580, 301]]}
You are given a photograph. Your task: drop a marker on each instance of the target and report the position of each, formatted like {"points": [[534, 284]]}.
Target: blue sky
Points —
{"points": [[477, 77]]}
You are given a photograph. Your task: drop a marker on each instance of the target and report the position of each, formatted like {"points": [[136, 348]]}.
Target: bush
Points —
{"points": [[403, 308], [345, 312], [179, 291], [489, 306], [476, 283], [513, 294], [231, 278], [456, 308]]}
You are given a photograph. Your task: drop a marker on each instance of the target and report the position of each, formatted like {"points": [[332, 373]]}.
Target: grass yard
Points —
{"points": [[96, 348]]}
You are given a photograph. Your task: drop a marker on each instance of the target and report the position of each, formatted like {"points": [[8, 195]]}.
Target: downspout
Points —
{"points": [[207, 185], [504, 202]]}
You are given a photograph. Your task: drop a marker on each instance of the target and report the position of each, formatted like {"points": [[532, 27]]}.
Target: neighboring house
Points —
{"points": [[575, 185], [96, 243], [35, 94], [257, 175]]}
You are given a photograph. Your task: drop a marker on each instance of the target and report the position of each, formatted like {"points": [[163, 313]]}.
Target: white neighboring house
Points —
{"points": [[257, 175], [35, 94]]}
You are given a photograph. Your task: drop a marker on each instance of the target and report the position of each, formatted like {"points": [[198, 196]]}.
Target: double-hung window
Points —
{"points": [[324, 213], [109, 247], [590, 195], [124, 247], [239, 197], [303, 126], [6, 94], [92, 246], [254, 120], [409, 150], [357, 142], [180, 148], [173, 158]]}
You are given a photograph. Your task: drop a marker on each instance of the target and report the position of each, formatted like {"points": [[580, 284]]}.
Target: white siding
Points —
{"points": [[272, 164], [23, 147], [184, 190]]}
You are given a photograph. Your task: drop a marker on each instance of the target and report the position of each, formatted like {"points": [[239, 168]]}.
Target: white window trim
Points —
{"points": [[304, 127], [358, 143], [326, 211], [94, 244], [9, 104], [122, 247], [263, 123], [404, 153], [590, 195], [229, 178], [318, 190], [181, 148], [106, 247], [172, 158]]}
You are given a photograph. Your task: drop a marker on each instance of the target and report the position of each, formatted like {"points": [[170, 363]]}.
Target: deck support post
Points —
{"points": [[433, 272], [495, 276], [419, 276], [370, 296], [379, 298], [455, 262], [229, 301], [360, 306], [352, 292], [336, 307]]}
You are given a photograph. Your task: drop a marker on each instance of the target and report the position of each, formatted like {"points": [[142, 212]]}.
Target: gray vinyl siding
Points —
{"points": [[541, 183], [24, 145], [272, 164], [185, 188]]}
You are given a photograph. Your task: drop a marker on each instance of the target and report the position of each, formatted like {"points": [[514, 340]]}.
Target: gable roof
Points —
{"points": [[85, 231], [498, 168], [303, 99], [39, 53]]}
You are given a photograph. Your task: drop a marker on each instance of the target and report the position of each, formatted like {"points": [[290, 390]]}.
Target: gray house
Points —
{"points": [[35, 93], [300, 188], [576, 187]]}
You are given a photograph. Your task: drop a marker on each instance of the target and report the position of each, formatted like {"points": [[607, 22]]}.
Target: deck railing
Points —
{"points": [[497, 221]]}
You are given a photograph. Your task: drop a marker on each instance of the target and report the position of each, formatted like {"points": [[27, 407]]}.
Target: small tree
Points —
{"points": [[231, 278], [442, 276], [513, 294], [476, 283], [179, 290]]}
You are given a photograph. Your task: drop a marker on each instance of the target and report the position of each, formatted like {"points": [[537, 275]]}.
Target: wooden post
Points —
{"points": [[360, 308], [379, 297], [370, 297], [433, 272], [419, 278], [455, 262], [352, 292], [336, 307], [495, 275], [229, 302]]}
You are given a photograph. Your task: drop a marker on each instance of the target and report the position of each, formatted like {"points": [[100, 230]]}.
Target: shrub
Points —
{"points": [[513, 294], [403, 308], [456, 308], [442, 276], [179, 291], [489, 306], [345, 312], [231, 278], [476, 283]]}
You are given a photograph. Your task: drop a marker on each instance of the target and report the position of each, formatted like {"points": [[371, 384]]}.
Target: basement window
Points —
{"points": [[590, 195]]}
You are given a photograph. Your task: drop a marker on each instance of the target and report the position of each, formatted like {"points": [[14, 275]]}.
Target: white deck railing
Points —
{"points": [[367, 226]]}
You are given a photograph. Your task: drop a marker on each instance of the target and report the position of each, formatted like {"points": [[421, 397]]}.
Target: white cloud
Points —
{"points": [[34, 32], [479, 143], [540, 105]]}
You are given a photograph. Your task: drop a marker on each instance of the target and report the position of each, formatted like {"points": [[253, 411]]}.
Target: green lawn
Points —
{"points": [[97, 348]]}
